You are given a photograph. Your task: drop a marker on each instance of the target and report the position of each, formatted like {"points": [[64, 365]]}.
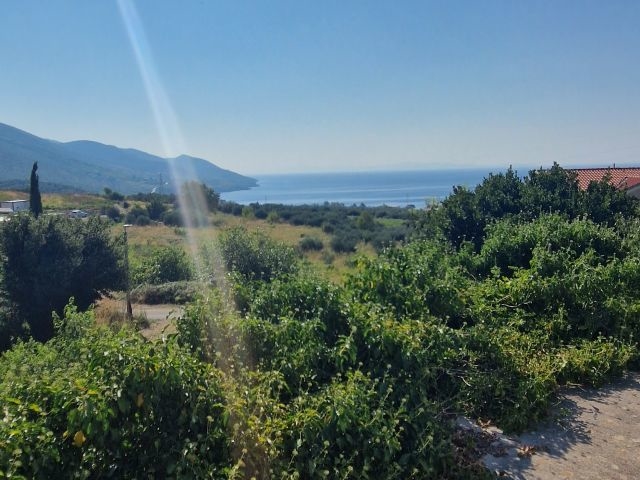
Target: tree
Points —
{"points": [[553, 190], [156, 208], [197, 201], [35, 201], [47, 260]]}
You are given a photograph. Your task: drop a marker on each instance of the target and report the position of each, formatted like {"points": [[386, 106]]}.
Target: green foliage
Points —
{"points": [[344, 242], [92, 403], [348, 225], [179, 292], [162, 265], [35, 200], [137, 216], [112, 195], [417, 281], [47, 260], [112, 212], [500, 304], [310, 243], [173, 218], [197, 200], [156, 208], [464, 215], [254, 256], [354, 428]]}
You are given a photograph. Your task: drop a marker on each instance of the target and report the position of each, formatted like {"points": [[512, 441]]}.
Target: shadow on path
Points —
{"points": [[593, 434]]}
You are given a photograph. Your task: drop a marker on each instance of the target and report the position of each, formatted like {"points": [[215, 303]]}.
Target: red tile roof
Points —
{"points": [[622, 178]]}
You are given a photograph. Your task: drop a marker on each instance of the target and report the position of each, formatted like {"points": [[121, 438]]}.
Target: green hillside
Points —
{"points": [[91, 166]]}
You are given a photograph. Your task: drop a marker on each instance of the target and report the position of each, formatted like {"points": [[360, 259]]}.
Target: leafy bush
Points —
{"points": [[162, 265], [46, 261], [92, 403], [173, 218], [137, 214], [463, 216], [180, 292], [344, 242], [255, 256], [310, 243], [417, 281]]}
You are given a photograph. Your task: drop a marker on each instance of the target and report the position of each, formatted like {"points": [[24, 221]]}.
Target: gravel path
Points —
{"points": [[596, 436]]}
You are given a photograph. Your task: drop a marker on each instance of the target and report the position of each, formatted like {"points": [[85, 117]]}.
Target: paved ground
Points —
{"points": [[596, 435], [159, 317]]}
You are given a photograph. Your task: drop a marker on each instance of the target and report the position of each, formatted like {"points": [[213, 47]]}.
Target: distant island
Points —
{"points": [[87, 166]]}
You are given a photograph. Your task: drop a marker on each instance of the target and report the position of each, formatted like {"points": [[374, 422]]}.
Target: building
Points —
{"points": [[14, 206], [627, 179]]}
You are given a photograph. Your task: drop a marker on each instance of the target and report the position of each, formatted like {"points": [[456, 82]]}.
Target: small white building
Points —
{"points": [[14, 206]]}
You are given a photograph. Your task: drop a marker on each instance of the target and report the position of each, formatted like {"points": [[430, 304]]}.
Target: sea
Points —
{"points": [[393, 188]]}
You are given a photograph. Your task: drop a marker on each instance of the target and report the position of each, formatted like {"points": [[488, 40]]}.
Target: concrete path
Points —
{"points": [[159, 317], [596, 435]]}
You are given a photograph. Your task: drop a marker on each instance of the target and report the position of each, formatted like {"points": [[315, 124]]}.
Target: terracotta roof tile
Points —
{"points": [[622, 178]]}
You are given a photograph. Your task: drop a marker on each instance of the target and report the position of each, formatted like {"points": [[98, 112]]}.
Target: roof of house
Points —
{"points": [[622, 178]]}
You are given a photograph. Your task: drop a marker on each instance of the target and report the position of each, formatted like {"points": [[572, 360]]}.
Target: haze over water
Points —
{"points": [[392, 188]]}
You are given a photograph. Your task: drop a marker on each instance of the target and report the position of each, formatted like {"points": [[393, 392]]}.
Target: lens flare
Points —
{"points": [[173, 145]]}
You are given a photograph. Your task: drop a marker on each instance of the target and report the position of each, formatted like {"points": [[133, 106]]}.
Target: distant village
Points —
{"points": [[9, 208]]}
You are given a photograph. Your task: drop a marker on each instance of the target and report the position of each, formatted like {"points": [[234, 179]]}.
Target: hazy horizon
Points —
{"points": [[287, 87]]}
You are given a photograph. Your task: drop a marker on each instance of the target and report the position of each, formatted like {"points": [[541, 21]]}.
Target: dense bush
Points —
{"points": [[310, 243], [463, 216], [161, 265], [45, 261], [179, 292], [173, 218], [92, 404], [255, 256], [137, 216]]}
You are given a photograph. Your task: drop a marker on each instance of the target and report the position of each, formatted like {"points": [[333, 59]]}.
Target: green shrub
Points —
{"points": [[255, 256], [302, 297], [92, 403], [344, 242], [310, 243], [173, 218], [46, 261], [416, 281], [180, 292], [354, 428], [162, 265]]}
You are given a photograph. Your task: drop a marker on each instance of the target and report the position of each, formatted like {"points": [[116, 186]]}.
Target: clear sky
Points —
{"points": [[292, 86]]}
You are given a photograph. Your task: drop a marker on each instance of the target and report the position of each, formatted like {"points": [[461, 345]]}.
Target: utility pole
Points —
{"points": [[129, 313]]}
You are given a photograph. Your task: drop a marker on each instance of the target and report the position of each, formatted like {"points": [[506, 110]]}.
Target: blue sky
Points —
{"points": [[295, 86]]}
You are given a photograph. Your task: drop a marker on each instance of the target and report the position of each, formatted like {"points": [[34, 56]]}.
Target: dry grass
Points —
{"points": [[333, 266], [111, 312], [70, 201], [13, 195]]}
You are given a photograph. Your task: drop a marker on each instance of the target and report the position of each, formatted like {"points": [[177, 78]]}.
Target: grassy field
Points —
{"points": [[330, 264], [143, 238]]}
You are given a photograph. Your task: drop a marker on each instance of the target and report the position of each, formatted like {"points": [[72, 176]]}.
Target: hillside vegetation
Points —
{"points": [[86, 166], [484, 306]]}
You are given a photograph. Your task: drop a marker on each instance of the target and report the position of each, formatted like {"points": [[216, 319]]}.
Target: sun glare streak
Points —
{"points": [[170, 136], [165, 118]]}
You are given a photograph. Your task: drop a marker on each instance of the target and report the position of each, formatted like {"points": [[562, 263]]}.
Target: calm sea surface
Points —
{"points": [[396, 188]]}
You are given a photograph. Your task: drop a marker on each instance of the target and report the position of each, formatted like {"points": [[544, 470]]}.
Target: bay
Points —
{"points": [[392, 188]]}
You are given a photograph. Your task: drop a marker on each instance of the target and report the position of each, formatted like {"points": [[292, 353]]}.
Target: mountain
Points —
{"points": [[88, 166]]}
